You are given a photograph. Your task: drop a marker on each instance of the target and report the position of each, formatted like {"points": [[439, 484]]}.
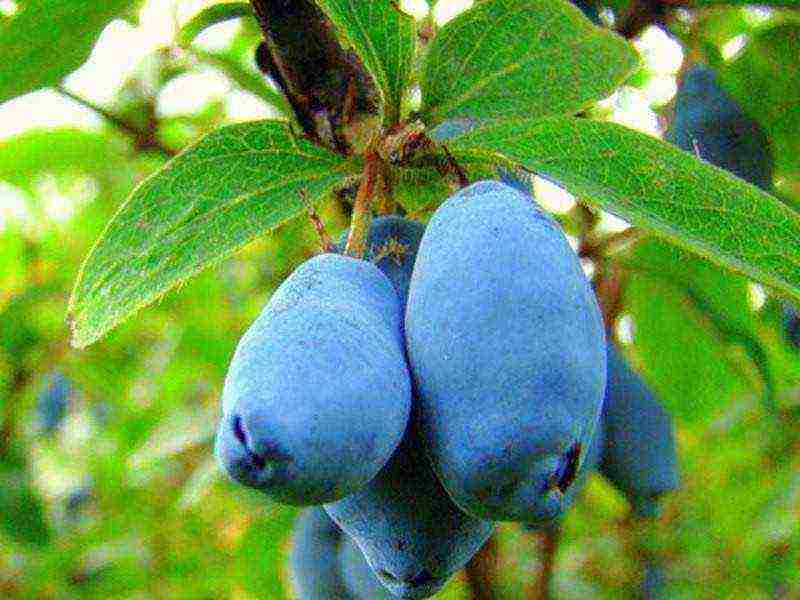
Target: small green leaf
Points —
{"points": [[212, 15], [521, 58], [45, 40], [383, 36], [654, 185], [235, 184]]}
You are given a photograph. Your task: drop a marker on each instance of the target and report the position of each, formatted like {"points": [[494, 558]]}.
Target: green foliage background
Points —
{"points": [[163, 522]]}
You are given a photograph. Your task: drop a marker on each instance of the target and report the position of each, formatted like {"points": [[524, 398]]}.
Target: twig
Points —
{"points": [[142, 139], [362, 209], [386, 204], [548, 544], [482, 570], [325, 240], [610, 289], [463, 181], [609, 245]]}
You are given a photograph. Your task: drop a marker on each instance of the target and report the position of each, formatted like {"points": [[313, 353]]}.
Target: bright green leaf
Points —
{"points": [[234, 185], [383, 36], [22, 513], [45, 40], [714, 310], [674, 346], [212, 15], [654, 185], [57, 151], [521, 58]]}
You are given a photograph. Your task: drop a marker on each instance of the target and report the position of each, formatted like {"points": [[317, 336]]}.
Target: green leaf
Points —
{"points": [[768, 63], [421, 190], [212, 15], [706, 308], [22, 513], [45, 40], [673, 346], [384, 38], [655, 186], [521, 58], [57, 151], [234, 185]]}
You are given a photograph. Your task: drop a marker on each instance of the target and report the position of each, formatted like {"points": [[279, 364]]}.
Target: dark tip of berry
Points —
{"points": [[240, 434], [565, 476]]}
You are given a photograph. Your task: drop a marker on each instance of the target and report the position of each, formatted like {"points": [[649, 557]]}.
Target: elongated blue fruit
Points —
{"points": [[639, 455], [318, 394], [506, 344], [412, 535], [314, 561], [708, 121], [359, 580]]}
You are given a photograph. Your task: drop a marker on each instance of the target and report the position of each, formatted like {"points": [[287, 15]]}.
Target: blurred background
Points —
{"points": [[108, 485]]}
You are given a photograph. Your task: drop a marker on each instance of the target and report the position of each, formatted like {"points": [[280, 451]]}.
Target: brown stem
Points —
{"points": [[386, 204], [362, 209], [463, 181], [325, 240], [548, 545], [610, 289], [481, 572], [610, 244], [326, 84], [144, 140]]}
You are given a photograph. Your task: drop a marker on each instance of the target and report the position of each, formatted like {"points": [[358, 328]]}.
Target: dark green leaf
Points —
{"points": [[234, 185], [45, 40], [654, 185], [521, 58], [383, 36]]}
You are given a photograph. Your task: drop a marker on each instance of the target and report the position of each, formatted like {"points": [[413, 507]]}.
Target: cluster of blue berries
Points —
{"points": [[453, 378]]}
